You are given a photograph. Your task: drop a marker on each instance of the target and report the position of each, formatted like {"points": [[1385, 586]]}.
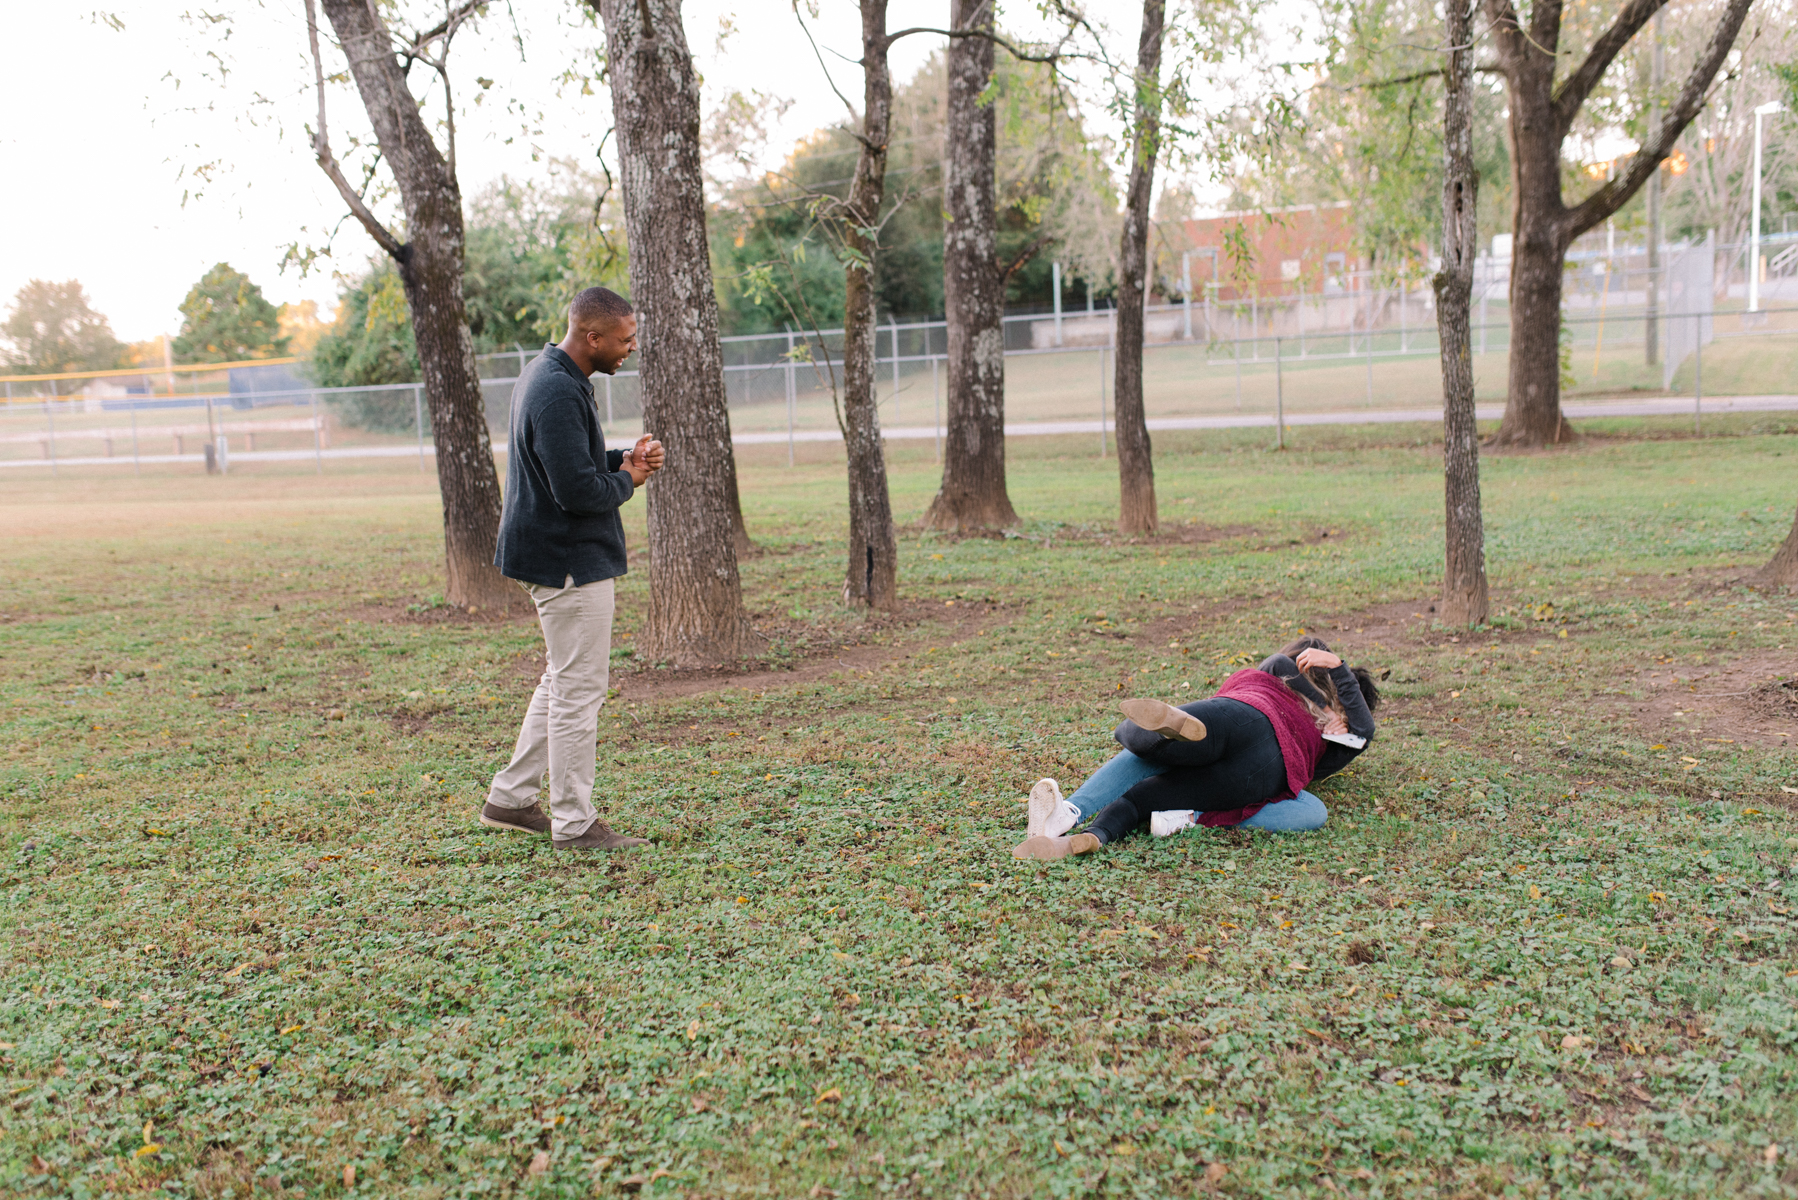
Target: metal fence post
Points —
{"points": [[1101, 402], [1055, 285], [1186, 290], [318, 440], [936, 411], [1301, 320], [792, 398], [1484, 292], [1236, 354], [895, 409], [1698, 379], [418, 417], [1279, 399], [1370, 357], [50, 417]]}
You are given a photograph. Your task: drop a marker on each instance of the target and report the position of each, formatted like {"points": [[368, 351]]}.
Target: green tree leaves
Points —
{"points": [[52, 328], [226, 318]]}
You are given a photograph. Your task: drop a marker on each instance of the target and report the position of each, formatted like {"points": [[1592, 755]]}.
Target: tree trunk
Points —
{"points": [[1136, 461], [430, 266], [1539, 253], [1782, 571], [873, 570], [973, 494], [1464, 599], [1545, 98], [1533, 402], [696, 615]]}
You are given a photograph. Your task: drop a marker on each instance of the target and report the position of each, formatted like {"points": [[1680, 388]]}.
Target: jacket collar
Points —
{"points": [[560, 357]]}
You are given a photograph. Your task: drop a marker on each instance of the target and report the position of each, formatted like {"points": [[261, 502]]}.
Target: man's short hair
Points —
{"points": [[598, 308]]}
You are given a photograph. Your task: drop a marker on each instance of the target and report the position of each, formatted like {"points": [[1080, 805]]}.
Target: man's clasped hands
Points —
{"points": [[643, 460]]}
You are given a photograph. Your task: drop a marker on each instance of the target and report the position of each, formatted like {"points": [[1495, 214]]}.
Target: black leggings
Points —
{"points": [[1237, 764]]}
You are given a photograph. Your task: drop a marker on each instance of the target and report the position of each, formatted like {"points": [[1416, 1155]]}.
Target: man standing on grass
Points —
{"points": [[560, 536]]}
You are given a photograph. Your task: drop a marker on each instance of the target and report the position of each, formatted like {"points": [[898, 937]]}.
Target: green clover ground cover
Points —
{"points": [[255, 944]]}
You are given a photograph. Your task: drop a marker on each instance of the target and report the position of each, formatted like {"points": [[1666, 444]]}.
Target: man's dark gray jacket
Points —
{"points": [[563, 487]]}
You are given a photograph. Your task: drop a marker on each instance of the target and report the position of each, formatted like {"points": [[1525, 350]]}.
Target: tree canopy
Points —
{"points": [[1055, 199], [52, 328], [226, 318]]}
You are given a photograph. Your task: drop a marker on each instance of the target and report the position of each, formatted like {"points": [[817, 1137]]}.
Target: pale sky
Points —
{"points": [[106, 130]]}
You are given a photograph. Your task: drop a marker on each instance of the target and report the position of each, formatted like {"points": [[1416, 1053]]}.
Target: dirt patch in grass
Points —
{"points": [[1752, 700], [819, 651]]}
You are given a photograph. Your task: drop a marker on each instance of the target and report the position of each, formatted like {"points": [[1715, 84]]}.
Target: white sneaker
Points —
{"points": [[1066, 816], [1045, 800], [1171, 821]]}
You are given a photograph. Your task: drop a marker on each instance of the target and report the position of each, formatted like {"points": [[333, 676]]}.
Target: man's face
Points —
{"points": [[613, 344]]}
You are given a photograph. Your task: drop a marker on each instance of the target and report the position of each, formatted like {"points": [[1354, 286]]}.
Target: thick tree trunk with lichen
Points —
{"points": [[1464, 594], [1782, 571], [1545, 93], [430, 267], [696, 615], [1136, 459], [872, 577], [973, 494]]}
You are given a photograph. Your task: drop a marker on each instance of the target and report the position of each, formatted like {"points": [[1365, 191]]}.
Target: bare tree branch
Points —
{"points": [[321, 149], [1042, 242], [1575, 89], [1616, 192]]}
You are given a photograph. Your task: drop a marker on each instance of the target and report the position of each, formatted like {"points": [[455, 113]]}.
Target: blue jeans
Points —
{"points": [[1301, 813]]}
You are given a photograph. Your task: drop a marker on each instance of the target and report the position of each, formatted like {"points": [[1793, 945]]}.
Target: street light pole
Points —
{"points": [[1754, 240]]}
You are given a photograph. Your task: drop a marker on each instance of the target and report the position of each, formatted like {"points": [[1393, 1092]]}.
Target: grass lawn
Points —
{"points": [[256, 944]]}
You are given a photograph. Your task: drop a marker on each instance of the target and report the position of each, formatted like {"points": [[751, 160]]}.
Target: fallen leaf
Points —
{"points": [[1061, 1149], [693, 1029], [539, 1162], [631, 1183], [1771, 1154], [239, 969], [1124, 1149], [1215, 1172], [1622, 963], [830, 1096], [1572, 1042], [1792, 790], [1657, 897], [1535, 892], [109, 1004], [292, 1029], [39, 1165], [349, 1175], [151, 1148]]}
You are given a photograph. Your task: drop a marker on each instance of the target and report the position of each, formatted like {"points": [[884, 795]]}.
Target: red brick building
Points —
{"points": [[1287, 249]]}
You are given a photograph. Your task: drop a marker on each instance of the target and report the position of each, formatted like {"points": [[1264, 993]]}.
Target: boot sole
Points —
{"points": [[1048, 849], [1158, 716], [491, 823]]}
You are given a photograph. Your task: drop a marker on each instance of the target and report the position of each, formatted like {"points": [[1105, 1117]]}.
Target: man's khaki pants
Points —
{"points": [[562, 723]]}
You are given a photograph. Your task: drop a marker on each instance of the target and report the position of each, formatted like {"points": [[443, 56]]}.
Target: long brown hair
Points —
{"points": [[1320, 678]]}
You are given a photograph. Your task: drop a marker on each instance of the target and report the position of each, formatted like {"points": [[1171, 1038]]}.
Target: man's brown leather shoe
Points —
{"points": [[599, 836], [521, 820]]}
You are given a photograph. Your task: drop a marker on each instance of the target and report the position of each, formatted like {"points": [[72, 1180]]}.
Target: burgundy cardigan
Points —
{"points": [[1301, 745]]}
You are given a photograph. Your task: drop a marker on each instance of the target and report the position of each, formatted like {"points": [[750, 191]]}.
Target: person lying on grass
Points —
{"points": [[1244, 757]]}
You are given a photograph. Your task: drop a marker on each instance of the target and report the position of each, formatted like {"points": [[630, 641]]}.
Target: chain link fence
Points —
{"points": [[1355, 352]]}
